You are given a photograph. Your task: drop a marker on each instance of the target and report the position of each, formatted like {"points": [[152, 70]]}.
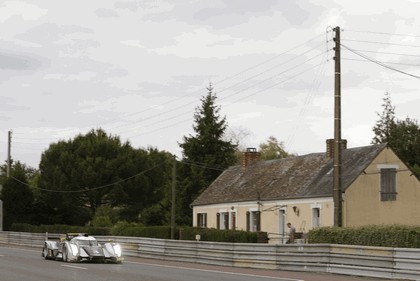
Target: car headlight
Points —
{"points": [[74, 249], [117, 250]]}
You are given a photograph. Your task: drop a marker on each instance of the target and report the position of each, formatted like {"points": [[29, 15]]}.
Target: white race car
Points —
{"points": [[76, 247]]}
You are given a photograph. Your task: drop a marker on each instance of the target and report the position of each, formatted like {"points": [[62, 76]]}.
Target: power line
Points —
{"points": [[387, 53], [219, 82], [137, 124], [276, 75], [224, 89], [378, 62], [89, 189], [387, 62], [381, 43], [276, 66], [201, 165], [283, 53], [242, 98], [382, 33], [278, 83], [316, 83]]}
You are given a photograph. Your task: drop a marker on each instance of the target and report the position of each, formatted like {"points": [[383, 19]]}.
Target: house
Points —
{"points": [[377, 188]]}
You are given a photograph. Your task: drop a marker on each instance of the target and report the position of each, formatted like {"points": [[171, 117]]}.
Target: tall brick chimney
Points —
{"points": [[250, 156], [330, 147]]}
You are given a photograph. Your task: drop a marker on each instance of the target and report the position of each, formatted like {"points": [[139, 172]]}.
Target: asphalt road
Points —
{"points": [[17, 264]]}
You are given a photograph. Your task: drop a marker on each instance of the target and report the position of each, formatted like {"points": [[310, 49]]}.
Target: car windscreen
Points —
{"points": [[87, 242]]}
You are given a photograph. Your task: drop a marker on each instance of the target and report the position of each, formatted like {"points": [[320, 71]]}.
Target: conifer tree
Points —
{"points": [[205, 153]]}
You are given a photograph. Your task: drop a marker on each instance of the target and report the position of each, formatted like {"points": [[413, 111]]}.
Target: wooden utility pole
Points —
{"points": [[173, 199], [337, 192], [9, 145]]}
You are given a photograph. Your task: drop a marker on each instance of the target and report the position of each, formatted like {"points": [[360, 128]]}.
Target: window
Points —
{"points": [[223, 220], [388, 184], [202, 220], [253, 221]]}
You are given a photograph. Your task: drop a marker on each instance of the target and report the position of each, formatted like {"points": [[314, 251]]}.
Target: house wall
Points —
{"points": [[362, 200], [274, 215]]}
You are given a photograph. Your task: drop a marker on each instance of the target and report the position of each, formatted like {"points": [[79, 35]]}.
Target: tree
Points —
{"points": [[405, 140], [17, 197], [205, 154], [80, 175], [273, 149], [105, 216], [403, 136], [238, 136], [386, 122]]}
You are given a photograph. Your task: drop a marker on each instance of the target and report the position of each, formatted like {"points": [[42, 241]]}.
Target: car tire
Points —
{"points": [[45, 252], [65, 257]]}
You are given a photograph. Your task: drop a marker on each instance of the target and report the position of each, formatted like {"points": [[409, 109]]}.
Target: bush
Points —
{"points": [[161, 232], [395, 236], [189, 233]]}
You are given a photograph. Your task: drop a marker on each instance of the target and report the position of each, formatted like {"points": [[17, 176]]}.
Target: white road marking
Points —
{"points": [[73, 266], [216, 271]]}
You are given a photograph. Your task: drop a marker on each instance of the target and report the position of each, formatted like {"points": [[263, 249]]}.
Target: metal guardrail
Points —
{"points": [[390, 263]]}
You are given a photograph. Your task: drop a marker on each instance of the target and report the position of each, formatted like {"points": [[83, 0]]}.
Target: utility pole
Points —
{"points": [[9, 145], [337, 195], [173, 199]]}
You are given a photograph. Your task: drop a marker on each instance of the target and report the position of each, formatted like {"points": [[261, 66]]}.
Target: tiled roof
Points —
{"points": [[295, 177]]}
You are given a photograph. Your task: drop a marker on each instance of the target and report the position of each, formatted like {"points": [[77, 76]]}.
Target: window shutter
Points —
{"points": [[388, 184], [247, 221], [218, 220], [233, 220]]}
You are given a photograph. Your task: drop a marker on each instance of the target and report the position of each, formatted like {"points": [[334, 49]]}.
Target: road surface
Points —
{"points": [[18, 264]]}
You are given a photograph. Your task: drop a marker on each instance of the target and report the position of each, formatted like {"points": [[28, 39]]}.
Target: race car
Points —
{"points": [[79, 247]]}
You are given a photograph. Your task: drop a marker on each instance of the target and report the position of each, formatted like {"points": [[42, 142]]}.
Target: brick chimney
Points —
{"points": [[330, 147], [250, 156]]}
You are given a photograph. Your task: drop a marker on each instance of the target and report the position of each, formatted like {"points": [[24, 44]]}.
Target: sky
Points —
{"points": [[138, 69]]}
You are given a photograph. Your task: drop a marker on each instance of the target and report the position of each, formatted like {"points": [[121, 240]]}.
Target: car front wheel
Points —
{"points": [[45, 252], [65, 257]]}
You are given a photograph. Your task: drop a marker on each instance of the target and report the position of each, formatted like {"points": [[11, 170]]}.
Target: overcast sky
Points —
{"points": [[138, 69]]}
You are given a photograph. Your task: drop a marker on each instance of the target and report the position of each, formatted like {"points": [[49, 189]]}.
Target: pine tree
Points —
{"points": [[205, 154]]}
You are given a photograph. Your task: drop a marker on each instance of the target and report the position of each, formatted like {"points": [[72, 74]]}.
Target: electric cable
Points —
{"points": [[379, 63], [89, 189], [381, 33], [381, 43]]}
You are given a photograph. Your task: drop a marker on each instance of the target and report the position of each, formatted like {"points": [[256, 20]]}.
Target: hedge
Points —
{"points": [[395, 236], [161, 232]]}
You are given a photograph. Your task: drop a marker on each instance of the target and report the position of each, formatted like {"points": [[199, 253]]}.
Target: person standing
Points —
{"points": [[292, 232]]}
